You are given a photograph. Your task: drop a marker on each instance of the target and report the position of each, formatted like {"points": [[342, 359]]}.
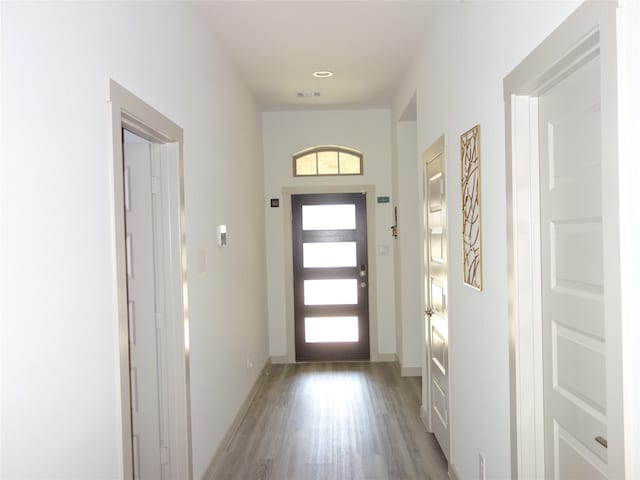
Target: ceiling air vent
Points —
{"points": [[308, 94]]}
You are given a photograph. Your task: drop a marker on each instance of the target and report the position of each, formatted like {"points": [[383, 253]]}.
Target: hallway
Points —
{"points": [[240, 89], [333, 421]]}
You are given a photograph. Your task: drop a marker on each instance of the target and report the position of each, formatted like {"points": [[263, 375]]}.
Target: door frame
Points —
{"points": [[370, 190], [128, 111], [591, 27]]}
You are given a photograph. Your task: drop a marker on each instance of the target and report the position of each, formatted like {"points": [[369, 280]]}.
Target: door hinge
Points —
{"points": [[165, 456]]}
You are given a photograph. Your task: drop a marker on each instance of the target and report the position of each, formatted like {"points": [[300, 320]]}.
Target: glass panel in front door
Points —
{"points": [[328, 217], [343, 291], [330, 329], [329, 254]]}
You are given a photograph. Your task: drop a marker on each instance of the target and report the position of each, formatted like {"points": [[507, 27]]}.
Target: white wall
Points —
{"points": [[286, 133], [397, 271], [466, 52], [408, 291], [59, 374]]}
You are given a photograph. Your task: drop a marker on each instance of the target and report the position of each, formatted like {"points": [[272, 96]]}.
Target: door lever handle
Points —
{"points": [[602, 441], [429, 311], [363, 270]]}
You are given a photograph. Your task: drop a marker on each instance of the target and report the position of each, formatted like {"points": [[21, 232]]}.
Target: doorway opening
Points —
{"points": [[152, 314], [331, 284]]}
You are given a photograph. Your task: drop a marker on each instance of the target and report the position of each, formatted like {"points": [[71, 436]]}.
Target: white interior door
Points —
{"points": [[150, 456], [573, 284], [435, 284]]}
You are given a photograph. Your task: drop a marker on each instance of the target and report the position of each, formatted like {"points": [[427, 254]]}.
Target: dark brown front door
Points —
{"points": [[331, 277]]}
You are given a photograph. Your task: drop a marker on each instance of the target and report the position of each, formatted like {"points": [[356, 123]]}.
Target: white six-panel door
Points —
{"points": [[573, 285], [145, 334], [435, 284]]}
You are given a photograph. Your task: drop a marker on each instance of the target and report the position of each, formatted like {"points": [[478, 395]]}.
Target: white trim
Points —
{"points": [[590, 28], [128, 110], [425, 408], [406, 371], [527, 426], [279, 359], [453, 472], [383, 357], [411, 371], [629, 174], [370, 190], [424, 416]]}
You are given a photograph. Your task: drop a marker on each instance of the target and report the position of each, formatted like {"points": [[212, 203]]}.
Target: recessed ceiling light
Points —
{"points": [[323, 74]]}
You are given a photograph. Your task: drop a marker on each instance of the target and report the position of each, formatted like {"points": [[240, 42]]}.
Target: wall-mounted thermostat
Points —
{"points": [[222, 235]]}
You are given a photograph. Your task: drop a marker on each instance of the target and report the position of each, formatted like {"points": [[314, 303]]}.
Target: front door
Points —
{"points": [[331, 277], [573, 284], [435, 284]]}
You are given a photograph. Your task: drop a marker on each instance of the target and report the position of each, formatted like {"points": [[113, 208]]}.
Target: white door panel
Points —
{"points": [[574, 345], [575, 462], [435, 282], [143, 330]]}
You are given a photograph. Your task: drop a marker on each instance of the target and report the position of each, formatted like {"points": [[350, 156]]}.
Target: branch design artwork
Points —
{"points": [[471, 231]]}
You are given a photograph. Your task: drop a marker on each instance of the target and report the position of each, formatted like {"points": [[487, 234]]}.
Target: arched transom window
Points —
{"points": [[327, 160]]}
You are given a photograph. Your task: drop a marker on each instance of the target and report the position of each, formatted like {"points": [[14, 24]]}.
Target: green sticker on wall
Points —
{"points": [[383, 199]]}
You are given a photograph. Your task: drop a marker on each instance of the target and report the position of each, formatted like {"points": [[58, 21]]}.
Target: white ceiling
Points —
{"points": [[276, 46]]}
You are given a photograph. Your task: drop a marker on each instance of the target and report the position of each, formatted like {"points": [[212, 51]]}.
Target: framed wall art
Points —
{"points": [[471, 226]]}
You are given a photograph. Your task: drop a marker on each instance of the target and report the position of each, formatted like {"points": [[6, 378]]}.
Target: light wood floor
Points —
{"points": [[333, 421]]}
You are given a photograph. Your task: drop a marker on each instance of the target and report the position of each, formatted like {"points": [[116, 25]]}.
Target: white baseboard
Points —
{"points": [[411, 371], [228, 437], [383, 357], [453, 472], [277, 359], [375, 357], [424, 416], [407, 371]]}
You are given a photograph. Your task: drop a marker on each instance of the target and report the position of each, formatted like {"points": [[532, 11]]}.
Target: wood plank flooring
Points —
{"points": [[333, 421]]}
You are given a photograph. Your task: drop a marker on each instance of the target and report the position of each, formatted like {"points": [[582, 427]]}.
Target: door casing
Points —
{"points": [[592, 25], [128, 111]]}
